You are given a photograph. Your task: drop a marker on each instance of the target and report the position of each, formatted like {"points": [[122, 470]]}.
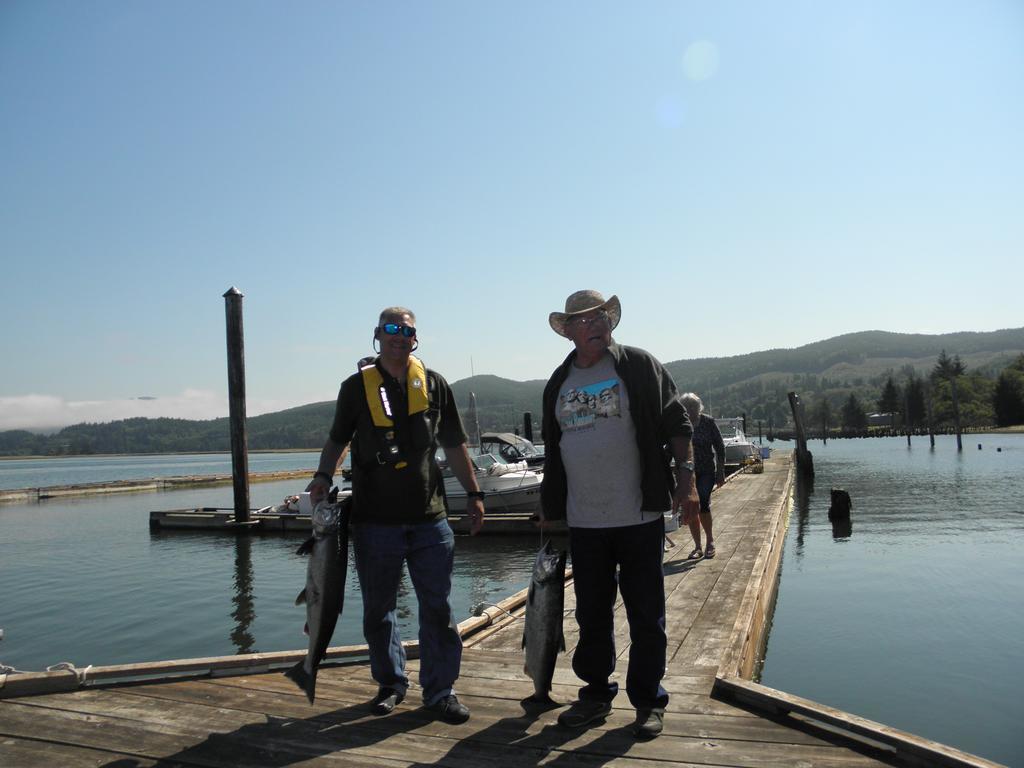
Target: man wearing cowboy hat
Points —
{"points": [[609, 410], [395, 412]]}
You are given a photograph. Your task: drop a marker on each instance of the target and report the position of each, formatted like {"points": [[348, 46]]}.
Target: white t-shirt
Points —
{"points": [[599, 450]]}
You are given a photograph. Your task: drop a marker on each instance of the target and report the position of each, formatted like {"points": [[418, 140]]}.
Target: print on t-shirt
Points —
{"points": [[580, 407]]}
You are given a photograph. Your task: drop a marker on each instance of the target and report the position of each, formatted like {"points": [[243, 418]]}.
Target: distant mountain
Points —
{"points": [[755, 384]]}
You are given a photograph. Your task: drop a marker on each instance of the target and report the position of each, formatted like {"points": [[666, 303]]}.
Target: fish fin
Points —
{"points": [[306, 547], [305, 681], [300, 599]]}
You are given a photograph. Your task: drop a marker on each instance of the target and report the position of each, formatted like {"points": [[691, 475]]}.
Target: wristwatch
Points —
{"points": [[687, 465], [476, 495]]}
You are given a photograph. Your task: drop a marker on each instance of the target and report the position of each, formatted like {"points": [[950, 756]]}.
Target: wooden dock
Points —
{"points": [[241, 711], [171, 483]]}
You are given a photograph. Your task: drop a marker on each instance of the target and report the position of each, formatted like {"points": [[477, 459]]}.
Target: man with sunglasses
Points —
{"points": [[394, 413], [609, 410]]}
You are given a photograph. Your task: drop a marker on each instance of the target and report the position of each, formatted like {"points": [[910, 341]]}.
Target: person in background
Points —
{"points": [[395, 412], [608, 412], [709, 468]]}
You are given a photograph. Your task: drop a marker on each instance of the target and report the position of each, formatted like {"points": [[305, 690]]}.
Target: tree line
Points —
{"points": [[950, 396], [838, 399]]}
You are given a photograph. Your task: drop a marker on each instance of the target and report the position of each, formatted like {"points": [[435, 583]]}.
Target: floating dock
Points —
{"points": [[241, 711], [173, 483]]}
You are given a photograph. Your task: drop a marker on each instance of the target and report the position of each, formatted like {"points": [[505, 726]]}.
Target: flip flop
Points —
{"points": [[710, 552], [697, 554]]}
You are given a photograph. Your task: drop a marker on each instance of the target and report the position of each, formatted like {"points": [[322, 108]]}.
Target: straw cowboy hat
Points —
{"points": [[582, 302]]}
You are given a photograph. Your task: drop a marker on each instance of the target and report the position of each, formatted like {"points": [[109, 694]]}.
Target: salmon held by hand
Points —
{"points": [[542, 636], [324, 594]]}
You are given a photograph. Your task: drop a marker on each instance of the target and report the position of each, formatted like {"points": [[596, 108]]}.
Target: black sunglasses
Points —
{"points": [[393, 329]]}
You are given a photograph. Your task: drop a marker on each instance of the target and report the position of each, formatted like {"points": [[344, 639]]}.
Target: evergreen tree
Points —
{"points": [[853, 416], [916, 408], [949, 369], [889, 402], [1008, 398]]}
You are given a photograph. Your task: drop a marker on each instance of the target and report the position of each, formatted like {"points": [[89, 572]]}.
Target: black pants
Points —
{"points": [[636, 551]]}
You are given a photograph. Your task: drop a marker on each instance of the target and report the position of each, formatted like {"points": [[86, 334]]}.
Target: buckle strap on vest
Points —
{"points": [[381, 411]]}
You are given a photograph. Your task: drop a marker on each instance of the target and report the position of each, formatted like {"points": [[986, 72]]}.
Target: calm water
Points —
{"points": [[915, 618], [69, 470], [85, 581]]}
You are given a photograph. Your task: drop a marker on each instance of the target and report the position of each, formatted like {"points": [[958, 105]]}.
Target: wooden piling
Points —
{"points": [[906, 412], [528, 426], [804, 460], [236, 402]]}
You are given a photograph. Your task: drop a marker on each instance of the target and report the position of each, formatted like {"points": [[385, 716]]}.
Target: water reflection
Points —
{"points": [[244, 612], [802, 498], [842, 528]]}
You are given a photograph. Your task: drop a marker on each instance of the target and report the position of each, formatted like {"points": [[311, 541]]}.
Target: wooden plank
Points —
{"points": [[31, 753], [922, 751]]}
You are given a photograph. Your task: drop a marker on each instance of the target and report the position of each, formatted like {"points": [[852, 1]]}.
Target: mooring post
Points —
{"points": [[906, 413], [931, 423], [804, 460], [236, 403], [528, 426]]}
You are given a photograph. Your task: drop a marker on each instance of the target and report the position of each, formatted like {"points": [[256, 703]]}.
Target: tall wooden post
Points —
{"points": [[931, 420], [956, 413], [906, 412], [474, 422], [236, 403], [804, 460], [528, 426]]}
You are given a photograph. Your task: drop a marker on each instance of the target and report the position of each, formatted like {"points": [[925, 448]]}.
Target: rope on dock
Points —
{"points": [[67, 665], [81, 675]]}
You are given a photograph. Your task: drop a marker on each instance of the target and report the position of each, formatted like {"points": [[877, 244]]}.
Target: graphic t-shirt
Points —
{"points": [[598, 447]]}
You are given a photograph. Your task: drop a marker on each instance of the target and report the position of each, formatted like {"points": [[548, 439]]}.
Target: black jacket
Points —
{"points": [[658, 416]]}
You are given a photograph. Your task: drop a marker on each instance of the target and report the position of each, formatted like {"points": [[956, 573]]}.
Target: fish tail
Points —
{"points": [[303, 679]]}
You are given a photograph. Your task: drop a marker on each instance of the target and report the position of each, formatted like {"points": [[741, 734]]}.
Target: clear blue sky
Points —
{"points": [[744, 175]]}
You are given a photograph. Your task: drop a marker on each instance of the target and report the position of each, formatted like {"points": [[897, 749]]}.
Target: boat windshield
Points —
{"points": [[730, 427], [484, 461], [509, 447]]}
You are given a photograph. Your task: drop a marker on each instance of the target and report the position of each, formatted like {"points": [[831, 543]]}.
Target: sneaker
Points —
{"points": [[649, 723], [386, 700], [450, 709], [584, 712]]}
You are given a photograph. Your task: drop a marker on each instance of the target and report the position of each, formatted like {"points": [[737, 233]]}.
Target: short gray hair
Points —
{"points": [[691, 401], [396, 312]]}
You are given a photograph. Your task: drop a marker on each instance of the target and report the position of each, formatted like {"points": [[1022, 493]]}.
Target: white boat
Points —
{"points": [[511, 448], [739, 451], [512, 488]]}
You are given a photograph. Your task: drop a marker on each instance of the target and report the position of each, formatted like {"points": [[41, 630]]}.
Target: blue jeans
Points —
{"points": [[428, 549], [637, 551], [705, 485]]}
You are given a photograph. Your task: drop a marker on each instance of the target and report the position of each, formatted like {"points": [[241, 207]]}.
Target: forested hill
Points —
{"points": [[756, 384]]}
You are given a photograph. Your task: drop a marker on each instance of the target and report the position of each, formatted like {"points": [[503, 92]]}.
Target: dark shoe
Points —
{"points": [[649, 723], [696, 554], [584, 712], [709, 552], [386, 700], [450, 709]]}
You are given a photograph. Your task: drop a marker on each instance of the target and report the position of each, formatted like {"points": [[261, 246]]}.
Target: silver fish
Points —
{"points": [[543, 637], [324, 594]]}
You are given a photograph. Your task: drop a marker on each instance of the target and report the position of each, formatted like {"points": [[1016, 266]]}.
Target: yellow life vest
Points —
{"points": [[380, 407]]}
